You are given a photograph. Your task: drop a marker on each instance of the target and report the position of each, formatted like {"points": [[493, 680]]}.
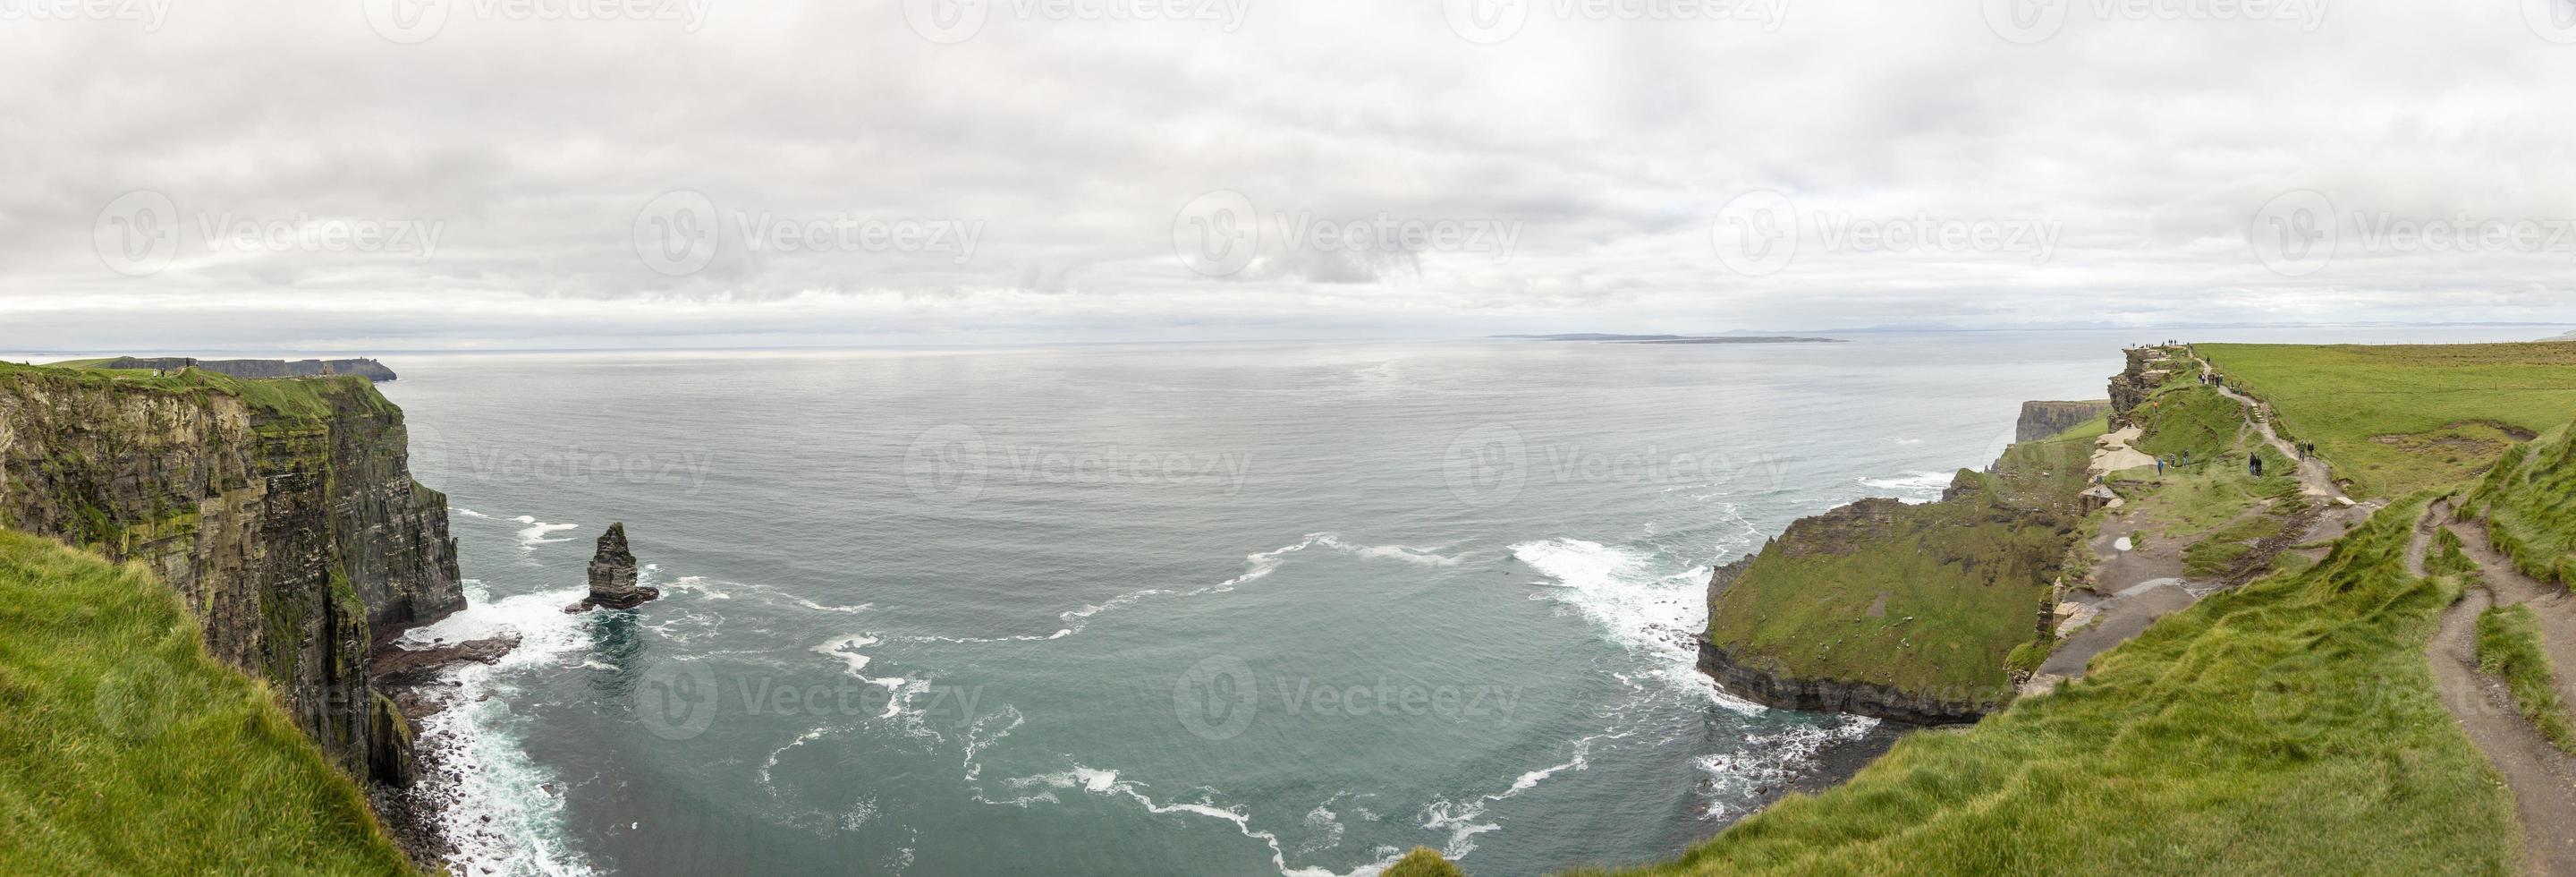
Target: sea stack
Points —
{"points": [[612, 576]]}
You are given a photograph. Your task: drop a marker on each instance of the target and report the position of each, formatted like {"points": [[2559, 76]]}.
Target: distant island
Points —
{"points": [[1674, 339]]}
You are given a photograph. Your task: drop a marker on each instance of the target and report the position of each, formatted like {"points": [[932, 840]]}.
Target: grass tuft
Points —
{"points": [[1423, 862], [2509, 649]]}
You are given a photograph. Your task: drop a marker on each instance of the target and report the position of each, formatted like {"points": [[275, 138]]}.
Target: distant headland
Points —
{"points": [[249, 368]]}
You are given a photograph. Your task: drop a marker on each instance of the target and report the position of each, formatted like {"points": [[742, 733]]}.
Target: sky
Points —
{"points": [[433, 174]]}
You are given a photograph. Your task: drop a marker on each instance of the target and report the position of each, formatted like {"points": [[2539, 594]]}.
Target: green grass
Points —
{"points": [[2399, 418], [2529, 502], [1422, 862], [283, 404], [1930, 598], [2216, 553], [2190, 503], [2447, 556], [125, 749], [2509, 649], [2286, 727], [2190, 419]]}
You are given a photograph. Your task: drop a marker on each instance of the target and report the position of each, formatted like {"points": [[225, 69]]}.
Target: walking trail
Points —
{"points": [[2542, 777], [2146, 580]]}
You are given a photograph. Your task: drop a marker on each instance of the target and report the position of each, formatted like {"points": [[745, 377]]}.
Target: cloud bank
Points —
{"points": [[517, 173]]}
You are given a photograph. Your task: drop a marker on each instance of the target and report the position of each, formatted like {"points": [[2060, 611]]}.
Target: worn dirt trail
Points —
{"points": [[2543, 779], [2147, 581]]}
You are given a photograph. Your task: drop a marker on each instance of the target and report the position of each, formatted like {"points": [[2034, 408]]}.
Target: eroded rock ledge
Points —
{"points": [[1832, 696]]}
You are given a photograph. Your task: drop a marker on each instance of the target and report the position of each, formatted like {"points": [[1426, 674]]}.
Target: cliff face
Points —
{"points": [[284, 513], [2040, 420], [2147, 368]]}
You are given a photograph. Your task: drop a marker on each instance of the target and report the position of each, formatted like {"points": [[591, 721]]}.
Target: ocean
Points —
{"points": [[1286, 608]]}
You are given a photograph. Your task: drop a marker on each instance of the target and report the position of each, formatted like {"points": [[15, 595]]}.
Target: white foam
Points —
{"points": [[1632, 603], [535, 533], [1406, 553], [470, 512], [694, 584], [1916, 486], [1106, 783], [1768, 760], [1461, 818], [898, 689], [818, 607], [980, 737], [774, 755], [490, 802]]}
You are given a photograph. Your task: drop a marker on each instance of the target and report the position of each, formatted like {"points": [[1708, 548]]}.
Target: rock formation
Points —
{"points": [[2040, 420], [2146, 369], [612, 576], [261, 368], [292, 529]]}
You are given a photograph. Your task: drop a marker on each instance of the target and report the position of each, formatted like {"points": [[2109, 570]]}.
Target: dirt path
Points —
{"points": [[2543, 779], [2126, 615], [2314, 480], [2553, 605]]}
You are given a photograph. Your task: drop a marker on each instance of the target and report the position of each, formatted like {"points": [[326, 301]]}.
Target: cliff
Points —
{"points": [[256, 368], [282, 511], [1904, 611], [2146, 369], [2040, 420]]}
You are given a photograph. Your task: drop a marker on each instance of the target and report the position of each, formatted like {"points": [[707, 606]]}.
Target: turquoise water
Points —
{"points": [[1221, 609]]}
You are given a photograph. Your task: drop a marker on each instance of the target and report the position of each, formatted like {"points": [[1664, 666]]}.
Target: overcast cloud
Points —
{"points": [[486, 173]]}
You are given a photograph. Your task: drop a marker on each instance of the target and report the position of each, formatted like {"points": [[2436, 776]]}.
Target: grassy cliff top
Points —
{"points": [[2288, 727], [125, 749], [2397, 418], [285, 403], [1928, 597]]}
